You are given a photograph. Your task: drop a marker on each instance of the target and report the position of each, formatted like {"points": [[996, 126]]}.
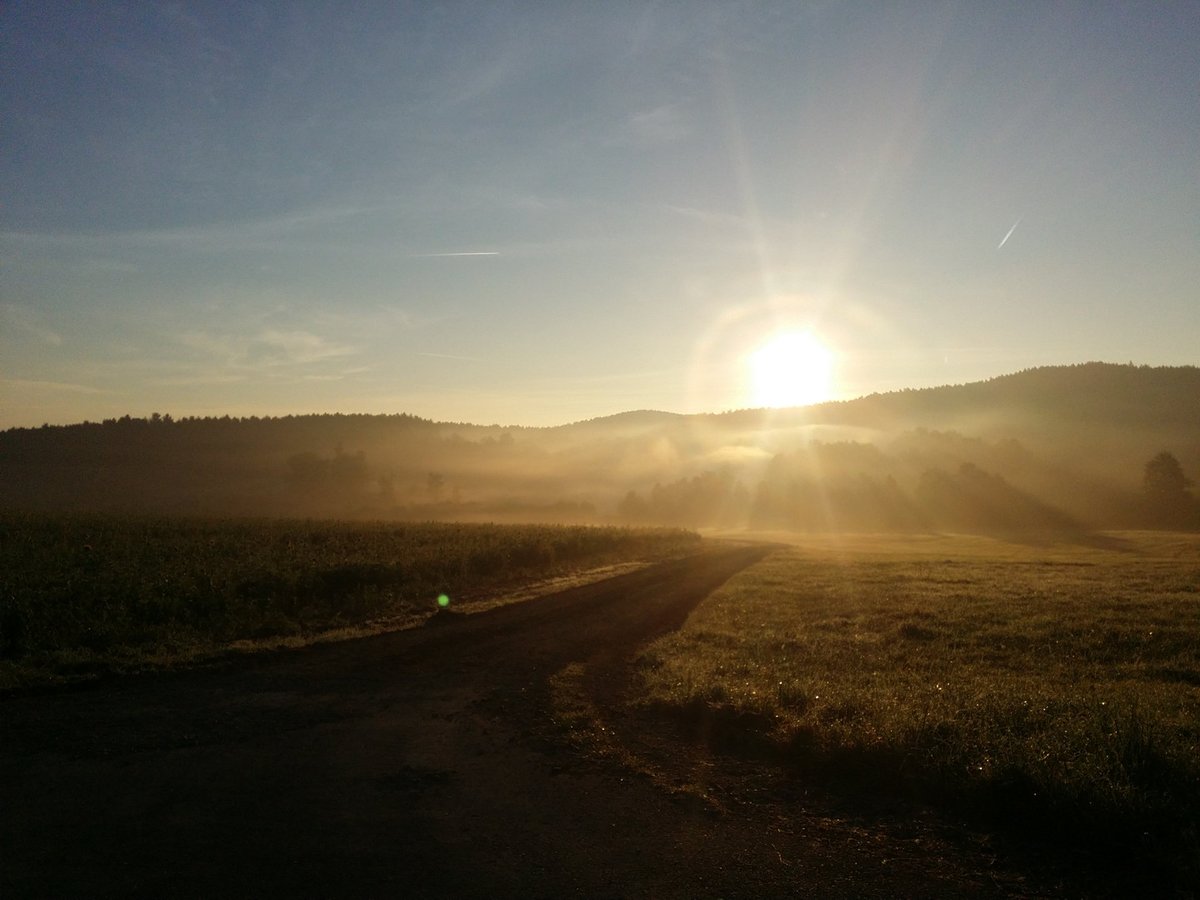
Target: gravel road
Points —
{"points": [[423, 763]]}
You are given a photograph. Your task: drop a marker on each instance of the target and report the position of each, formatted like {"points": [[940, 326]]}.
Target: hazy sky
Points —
{"points": [[532, 213]]}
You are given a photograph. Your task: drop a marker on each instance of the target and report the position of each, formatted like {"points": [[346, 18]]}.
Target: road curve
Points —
{"points": [[410, 764]]}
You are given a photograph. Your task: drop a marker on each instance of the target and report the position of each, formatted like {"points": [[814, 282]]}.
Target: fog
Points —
{"points": [[1054, 450]]}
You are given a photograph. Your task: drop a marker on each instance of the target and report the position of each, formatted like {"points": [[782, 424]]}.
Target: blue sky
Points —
{"points": [[533, 213]]}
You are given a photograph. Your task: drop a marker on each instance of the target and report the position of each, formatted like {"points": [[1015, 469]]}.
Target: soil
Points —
{"points": [[484, 755]]}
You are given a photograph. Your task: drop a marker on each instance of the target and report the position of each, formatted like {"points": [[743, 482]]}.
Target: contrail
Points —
{"points": [[459, 253], [1010, 232]]}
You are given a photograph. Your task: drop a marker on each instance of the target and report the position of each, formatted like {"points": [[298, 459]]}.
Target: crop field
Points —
{"points": [[1053, 692], [87, 594]]}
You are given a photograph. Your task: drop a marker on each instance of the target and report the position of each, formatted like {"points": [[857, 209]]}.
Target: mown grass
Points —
{"points": [[1053, 692], [86, 594]]}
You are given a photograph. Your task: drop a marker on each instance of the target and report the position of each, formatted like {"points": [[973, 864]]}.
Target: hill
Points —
{"points": [[1044, 447]]}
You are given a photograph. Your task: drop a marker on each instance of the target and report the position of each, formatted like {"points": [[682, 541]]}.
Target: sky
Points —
{"points": [[533, 213]]}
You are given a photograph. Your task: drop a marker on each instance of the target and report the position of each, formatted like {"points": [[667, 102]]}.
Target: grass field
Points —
{"points": [[87, 594], [1054, 691]]}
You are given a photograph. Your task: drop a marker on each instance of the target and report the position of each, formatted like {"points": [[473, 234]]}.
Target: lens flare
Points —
{"points": [[443, 601]]}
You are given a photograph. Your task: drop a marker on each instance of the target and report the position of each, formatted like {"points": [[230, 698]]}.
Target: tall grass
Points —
{"points": [[1052, 690], [80, 592]]}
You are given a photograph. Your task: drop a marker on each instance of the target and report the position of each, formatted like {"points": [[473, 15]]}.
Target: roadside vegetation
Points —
{"points": [[85, 594], [1051, 693]]}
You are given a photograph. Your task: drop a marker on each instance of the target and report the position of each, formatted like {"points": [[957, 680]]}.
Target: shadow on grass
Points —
{"points": [[1143, 841]]}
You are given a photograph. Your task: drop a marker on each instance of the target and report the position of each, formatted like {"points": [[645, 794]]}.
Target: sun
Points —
{"points": [[793, 368]]}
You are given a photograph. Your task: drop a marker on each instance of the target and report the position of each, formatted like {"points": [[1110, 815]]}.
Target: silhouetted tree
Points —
{"points": [[1164, 481], [1165, 487]]}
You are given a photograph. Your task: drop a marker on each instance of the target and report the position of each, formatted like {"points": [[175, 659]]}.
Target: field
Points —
{"points": [[86, 594], [1049, 690], [1049, 693]]}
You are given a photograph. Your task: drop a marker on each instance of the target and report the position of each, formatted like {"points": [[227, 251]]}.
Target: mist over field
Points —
{"points": [[1049, 450]]}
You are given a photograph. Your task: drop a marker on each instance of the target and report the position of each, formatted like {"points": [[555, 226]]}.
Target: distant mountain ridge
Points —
{"points": [[1095, 391], [1073, 439], [1089, 391], [1071, 408], [1092, 391]]}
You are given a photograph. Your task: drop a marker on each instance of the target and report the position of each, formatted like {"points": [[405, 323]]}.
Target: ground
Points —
{"points": [[482, 755]]}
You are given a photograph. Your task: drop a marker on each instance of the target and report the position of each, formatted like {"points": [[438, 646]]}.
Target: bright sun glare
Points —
{"points": [[791, 369]]}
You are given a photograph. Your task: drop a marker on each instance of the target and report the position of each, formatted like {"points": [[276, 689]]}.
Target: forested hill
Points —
{"points": [[1093, 393], [1103, 394], [1074, 439]]}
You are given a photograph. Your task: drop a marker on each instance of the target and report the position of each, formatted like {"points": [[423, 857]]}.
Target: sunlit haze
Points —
{"points": [[540, 213]]}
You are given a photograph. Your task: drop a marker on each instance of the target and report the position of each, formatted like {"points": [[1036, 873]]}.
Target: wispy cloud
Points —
{"points": [[24, 321], [116, 266], [62, 387], [268, 349], [204, 380], [709, 217], [217, 235], [451, 253], [452, 356], [292, 347], [661, 125]]}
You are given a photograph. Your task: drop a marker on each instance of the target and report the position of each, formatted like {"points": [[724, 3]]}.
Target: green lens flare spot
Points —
{"points": [[443, 601]]}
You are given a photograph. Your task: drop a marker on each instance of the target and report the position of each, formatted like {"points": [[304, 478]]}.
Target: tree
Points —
{"points": [[1164, 480], [1165, 487]]}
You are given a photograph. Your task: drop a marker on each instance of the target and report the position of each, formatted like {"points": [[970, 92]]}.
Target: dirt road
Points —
{"points": [[420, 763]]}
